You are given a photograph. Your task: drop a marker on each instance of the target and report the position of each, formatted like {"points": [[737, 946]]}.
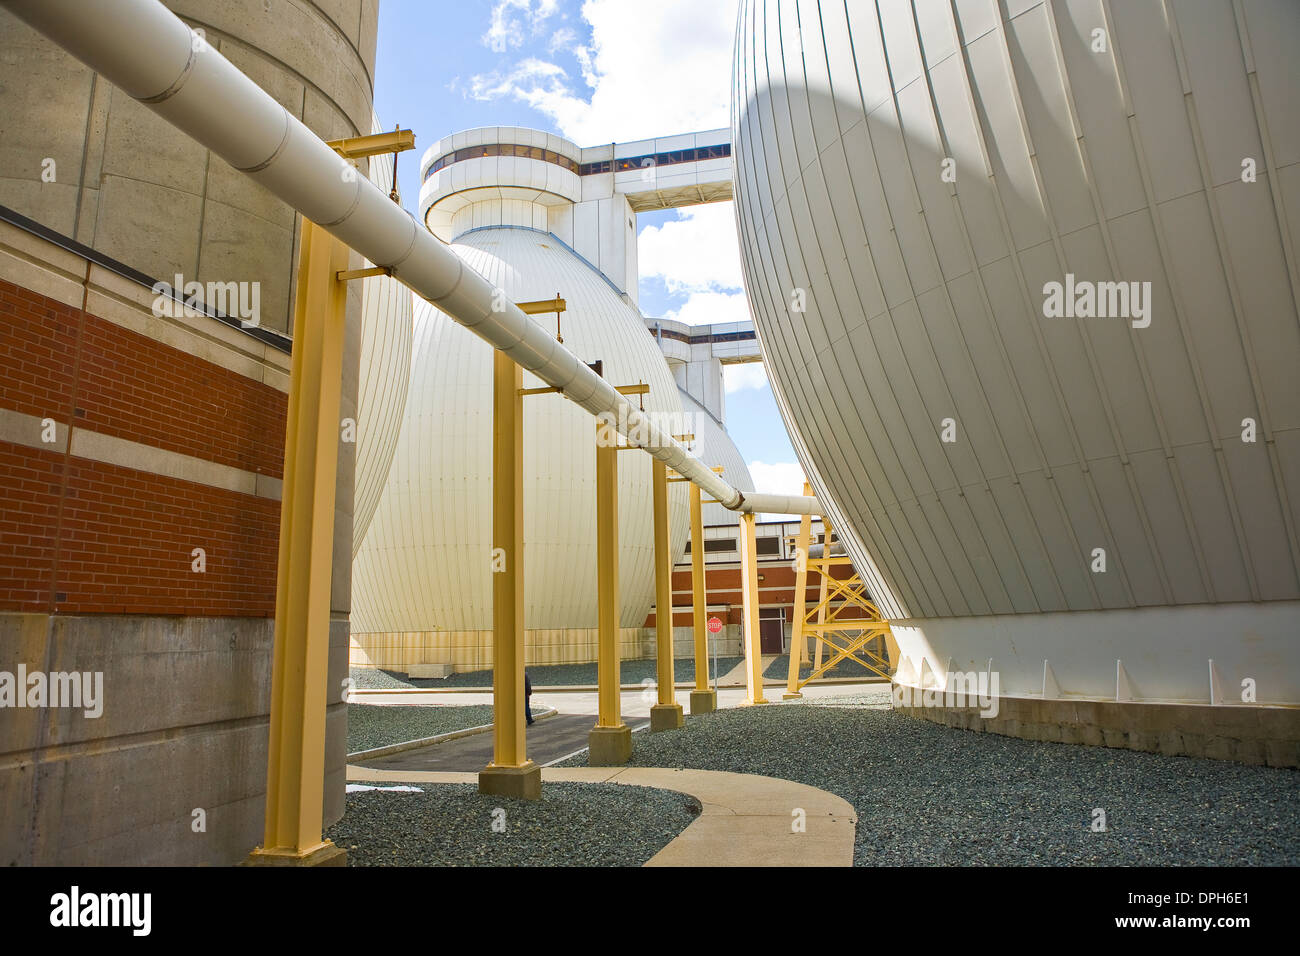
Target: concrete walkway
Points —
{"points": [[548, 741], [736, 677], [747, 819], [635, 702]]}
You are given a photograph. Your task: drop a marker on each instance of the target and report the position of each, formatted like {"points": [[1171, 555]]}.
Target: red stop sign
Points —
{"points": [[715, 625]]}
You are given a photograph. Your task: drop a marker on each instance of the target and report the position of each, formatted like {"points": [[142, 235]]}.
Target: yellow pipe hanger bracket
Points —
{"points": [[542, 306]]}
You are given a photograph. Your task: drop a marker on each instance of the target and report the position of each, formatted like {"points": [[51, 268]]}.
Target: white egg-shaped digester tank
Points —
{"points": [[386, 311], [715, 448], [1117, 495], [424, 570]]}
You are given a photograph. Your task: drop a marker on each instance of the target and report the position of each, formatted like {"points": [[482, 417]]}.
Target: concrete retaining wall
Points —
{"points": [[184, 727]]}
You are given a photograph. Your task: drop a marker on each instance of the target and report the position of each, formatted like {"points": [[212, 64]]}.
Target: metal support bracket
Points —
{"points": [[361, 147], [347, 275]]}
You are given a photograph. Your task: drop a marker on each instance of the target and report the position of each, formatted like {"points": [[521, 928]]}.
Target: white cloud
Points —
{"points": [[697, 252], [737, 378], [513, 21], [652, 70], [779, 478], [705, 308], [538, 73], [562, 39]]}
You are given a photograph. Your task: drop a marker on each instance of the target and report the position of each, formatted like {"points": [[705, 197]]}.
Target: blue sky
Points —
{"points": [[596, 72]]}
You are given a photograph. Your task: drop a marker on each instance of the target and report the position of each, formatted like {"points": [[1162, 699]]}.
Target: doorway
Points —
{"points": [[771, 630]]}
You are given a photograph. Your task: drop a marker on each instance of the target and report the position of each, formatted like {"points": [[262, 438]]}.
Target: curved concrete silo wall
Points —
{"points": [[130, 186], [174, 416], [1112, 142]]}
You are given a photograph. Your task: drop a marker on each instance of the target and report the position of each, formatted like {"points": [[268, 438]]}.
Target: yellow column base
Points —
{"points": [[516, 783], [704, 701], [795, 696], [609, 746], [326, 854], [666, 717]]}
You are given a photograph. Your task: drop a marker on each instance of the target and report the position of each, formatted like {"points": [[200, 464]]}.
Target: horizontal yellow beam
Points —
{"points": [[624, 389], [873, 626], [348, 274], [543, 306], [358, 147], [676, 477]]}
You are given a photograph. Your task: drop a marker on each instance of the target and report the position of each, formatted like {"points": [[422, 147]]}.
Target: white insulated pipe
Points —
{"points": [[147, 51]]}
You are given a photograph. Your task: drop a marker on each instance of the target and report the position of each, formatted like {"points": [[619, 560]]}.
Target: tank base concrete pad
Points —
{"points": [[1258, 735], [746, 819]]}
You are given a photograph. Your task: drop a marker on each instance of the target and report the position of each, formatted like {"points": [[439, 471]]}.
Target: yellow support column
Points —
{"points": [[511, 773], [798, 644], [667, 714], [825, 568], [295, 774], [749, 596], [610, 741], [807, 533], [704, 699]]}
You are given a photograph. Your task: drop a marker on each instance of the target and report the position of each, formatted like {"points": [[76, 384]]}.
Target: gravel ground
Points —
{"points": [[378, 725], [931, 795], [575, 824], [779, 669], [544, 675], [369, 678], [868, 698]]}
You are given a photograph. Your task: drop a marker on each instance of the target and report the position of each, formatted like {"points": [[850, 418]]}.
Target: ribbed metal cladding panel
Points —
{"points": [[925, 298], [385, 375], [426, 562]]}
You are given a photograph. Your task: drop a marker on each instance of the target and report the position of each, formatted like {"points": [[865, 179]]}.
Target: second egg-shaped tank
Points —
{"points": [[426, 562]]}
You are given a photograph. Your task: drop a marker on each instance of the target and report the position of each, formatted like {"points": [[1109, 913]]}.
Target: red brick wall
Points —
{"points": [[133, 387], [38, 345], [30, 487], [723, 586], [107, 539]]}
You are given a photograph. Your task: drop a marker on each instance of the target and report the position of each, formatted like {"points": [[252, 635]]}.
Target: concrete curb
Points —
{"points": [[746, 819], [397, 748]]}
